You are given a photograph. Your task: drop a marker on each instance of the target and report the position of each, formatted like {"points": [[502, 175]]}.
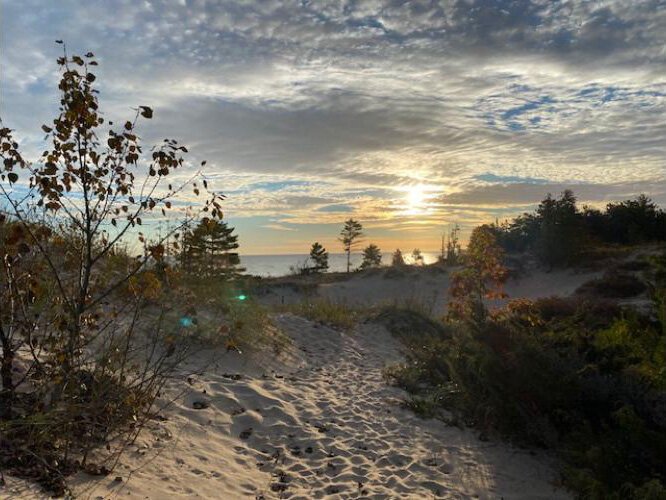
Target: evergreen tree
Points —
{"points": [[372, 256], [635, 221], [559, 229], [319, 256], [397, 258], [417, 257], [209, 249], [349, 236]]}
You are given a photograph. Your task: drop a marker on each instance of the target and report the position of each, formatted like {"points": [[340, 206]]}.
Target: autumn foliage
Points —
{"points": [[78, 362], [482, 277]]}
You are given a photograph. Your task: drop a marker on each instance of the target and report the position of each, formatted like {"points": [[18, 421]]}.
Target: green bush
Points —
{"points": [[613, 285], [586, 380]]}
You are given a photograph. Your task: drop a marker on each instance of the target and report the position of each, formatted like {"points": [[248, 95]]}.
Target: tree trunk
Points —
{"points": [[7, 393]]}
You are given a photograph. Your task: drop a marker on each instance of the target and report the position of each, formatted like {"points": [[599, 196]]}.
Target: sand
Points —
{"points": [[426, 288], [317, 421], [323, 424]]}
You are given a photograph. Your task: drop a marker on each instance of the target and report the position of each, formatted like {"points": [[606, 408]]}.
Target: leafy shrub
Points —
{"points": [[548, 374], [91, 365], [410, 325], [613, 285]]}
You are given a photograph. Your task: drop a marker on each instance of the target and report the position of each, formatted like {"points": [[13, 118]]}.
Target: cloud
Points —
{"points": [[278, 227], [322, 108], [525, 194]]}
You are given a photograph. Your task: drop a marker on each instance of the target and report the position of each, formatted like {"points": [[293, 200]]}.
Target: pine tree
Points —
{"points": [[397, 259], [559, 229], [209, 249], [372, 256], [349, 236], [319, 256]]}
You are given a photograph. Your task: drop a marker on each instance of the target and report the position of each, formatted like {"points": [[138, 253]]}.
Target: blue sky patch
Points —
{"points": [[336, 208], [509, 179]]}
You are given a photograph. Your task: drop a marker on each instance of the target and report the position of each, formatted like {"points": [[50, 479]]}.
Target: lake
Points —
{"points": [[280, 265]]}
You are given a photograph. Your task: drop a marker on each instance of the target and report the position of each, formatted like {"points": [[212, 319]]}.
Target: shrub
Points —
{"points": [[549, 374], [93, 367], [613, 286]]}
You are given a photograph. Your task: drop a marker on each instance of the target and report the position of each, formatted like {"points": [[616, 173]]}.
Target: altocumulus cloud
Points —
{"points": [[325, 108]]}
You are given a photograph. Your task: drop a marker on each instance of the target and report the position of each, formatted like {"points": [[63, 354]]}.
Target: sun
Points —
{"points": [[417, 198]]}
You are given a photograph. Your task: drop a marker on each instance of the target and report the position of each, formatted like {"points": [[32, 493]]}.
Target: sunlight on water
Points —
{"points": [[278, 265]]}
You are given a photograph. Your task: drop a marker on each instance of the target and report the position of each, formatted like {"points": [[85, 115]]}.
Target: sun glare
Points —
{"points": [[416, 198]]}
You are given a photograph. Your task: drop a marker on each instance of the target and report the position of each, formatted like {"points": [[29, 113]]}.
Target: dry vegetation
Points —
{"points": [[89, 331]]}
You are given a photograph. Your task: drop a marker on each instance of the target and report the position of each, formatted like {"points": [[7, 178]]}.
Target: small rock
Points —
{"points": [[246, 433]]}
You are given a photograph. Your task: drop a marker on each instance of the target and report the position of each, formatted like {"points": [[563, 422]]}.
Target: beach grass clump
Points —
{"points": [[226, 313], [336, 314], [411, 324]]}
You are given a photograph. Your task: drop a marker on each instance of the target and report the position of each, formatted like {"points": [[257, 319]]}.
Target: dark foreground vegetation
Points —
{"points": [[583, 376]]}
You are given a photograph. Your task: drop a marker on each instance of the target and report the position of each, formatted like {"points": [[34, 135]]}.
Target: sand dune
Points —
{"points": [[319, 421], [427, 287]]}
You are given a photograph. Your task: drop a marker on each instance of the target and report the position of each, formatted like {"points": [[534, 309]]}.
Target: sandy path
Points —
{"points": [[323, 424]]}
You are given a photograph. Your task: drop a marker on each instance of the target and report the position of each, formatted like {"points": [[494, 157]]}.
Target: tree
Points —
{"points": [[349, 236], [417, 257], [209, 249], [319, 256], [88, 191], [559, 229], [372, 257], [635, 221], [397, 259], [482, 278], [451, 250]]}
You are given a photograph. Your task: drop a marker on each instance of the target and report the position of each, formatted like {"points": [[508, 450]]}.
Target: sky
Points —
{"points": [[408, 116]]}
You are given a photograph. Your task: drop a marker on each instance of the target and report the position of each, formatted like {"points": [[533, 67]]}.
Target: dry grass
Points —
{"points": [[328, 312]]}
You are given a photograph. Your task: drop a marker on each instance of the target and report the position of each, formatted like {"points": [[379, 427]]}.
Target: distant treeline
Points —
{"points": [[558, 231]]}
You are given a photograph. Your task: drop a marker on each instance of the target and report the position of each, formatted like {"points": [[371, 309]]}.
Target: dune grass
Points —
{"points": [[336, 314], [225, 313]]}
